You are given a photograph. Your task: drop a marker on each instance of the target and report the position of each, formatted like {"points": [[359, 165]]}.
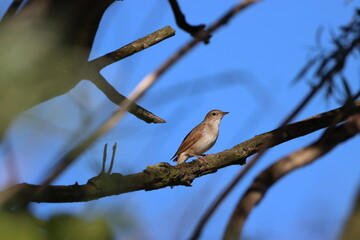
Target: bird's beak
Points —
{"points": [[224, 113]]}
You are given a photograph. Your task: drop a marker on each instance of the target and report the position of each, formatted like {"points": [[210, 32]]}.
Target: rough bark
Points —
{"points": [[164, 175]]}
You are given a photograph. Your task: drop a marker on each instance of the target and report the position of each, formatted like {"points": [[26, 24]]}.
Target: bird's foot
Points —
{"points": [[202, 156]]}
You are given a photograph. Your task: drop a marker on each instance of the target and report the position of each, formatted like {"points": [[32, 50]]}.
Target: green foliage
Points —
{"points": [[21, 226], [35, 68], [70, 227]]}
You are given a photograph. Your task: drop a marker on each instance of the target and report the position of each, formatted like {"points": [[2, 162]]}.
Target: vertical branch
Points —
{"points": [[104, 159], [112, 158]]}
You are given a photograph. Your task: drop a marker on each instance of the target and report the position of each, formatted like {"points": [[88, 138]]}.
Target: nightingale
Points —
{"points": [[201, 138]]}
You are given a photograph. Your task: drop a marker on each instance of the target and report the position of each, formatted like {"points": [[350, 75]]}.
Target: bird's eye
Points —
{"points": [[214, 114]]}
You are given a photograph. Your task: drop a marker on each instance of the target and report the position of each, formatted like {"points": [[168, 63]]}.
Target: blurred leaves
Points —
{"points": [[10, 224], [23, 226], [34, 68], [70, 227], [44, 49]]}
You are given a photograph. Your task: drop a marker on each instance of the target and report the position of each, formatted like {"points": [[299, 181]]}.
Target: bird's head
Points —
{"points": [[215, 115]]}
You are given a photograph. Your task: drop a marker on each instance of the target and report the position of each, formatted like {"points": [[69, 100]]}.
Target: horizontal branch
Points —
{"points": [[284, 166], [163, 174]]}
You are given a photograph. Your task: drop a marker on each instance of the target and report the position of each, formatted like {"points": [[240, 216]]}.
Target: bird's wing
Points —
{"points": [[189, 140]]}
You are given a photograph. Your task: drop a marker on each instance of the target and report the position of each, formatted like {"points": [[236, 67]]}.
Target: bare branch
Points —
{"points": [[112, 158], [164, 175], [113, 95], [133, 47], [97, 64], [104, 159], [14, 6], [201, 36], [276, 171], [193, 30]]}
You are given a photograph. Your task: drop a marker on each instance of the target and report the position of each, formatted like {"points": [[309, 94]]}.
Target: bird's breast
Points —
{"points": [[206, 141]]}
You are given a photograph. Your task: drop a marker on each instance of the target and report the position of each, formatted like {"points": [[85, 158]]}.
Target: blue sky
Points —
{"points": [[247, 70]]}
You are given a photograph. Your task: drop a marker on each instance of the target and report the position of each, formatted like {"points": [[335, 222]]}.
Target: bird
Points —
{"points": [[201, 138]]}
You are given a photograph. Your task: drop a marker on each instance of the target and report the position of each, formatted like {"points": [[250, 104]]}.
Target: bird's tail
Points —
{"points": [[181, 158], [174, 158]]}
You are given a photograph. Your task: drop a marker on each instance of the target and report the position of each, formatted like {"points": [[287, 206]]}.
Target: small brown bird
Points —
{"points": [[201, 138]]}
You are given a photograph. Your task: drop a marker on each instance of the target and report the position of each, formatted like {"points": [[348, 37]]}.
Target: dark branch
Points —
{"points": [[104, 159], [112, 158], [97, 64], [113, 95], [193, 30], [163, 174], [264, 181], [10, 13]]}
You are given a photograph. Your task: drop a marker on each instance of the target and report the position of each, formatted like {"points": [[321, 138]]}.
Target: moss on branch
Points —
{"points": [[164, 175]]}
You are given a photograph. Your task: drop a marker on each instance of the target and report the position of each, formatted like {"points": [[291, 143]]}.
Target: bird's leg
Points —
{"points": [[201, 156]]}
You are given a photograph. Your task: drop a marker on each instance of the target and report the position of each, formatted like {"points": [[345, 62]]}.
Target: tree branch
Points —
{"points": [[193, 30], [134, 47], [112, 94], [276, 171], [66, 59], [163, 174], [14, 6]]}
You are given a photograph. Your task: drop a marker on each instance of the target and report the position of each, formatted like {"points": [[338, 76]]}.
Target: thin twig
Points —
{"points": [[104, 159], [112, 158], [183, 24]]}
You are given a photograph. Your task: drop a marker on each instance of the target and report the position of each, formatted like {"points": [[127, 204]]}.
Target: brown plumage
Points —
{"points": [[201, 138]]}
